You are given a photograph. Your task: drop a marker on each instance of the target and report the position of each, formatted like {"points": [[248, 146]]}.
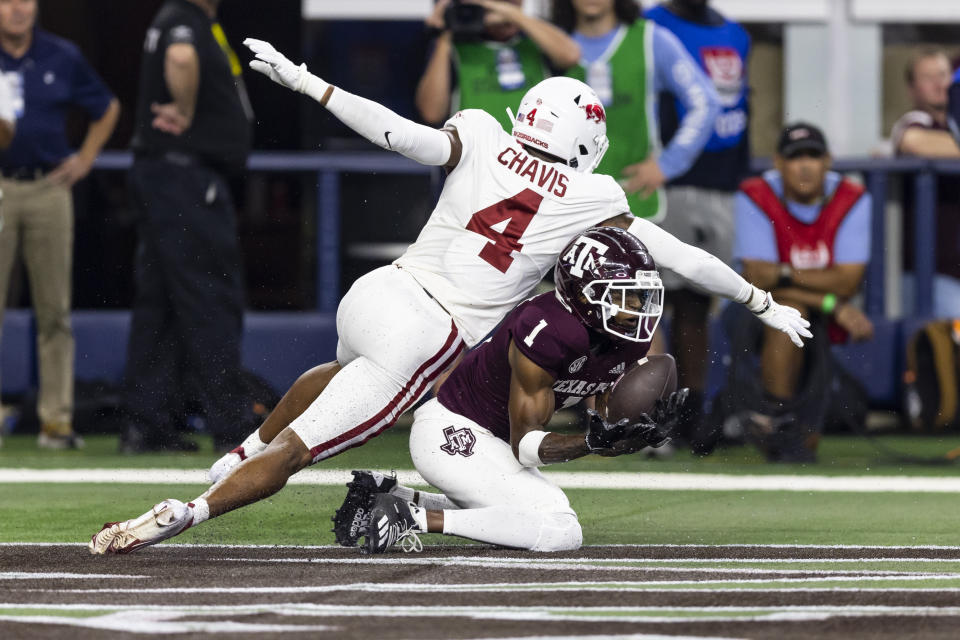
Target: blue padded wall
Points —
{"points": [[18, 351], [278, 346]]}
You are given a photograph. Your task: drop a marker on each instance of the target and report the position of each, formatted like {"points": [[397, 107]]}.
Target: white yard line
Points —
{"points": [[173, 546], [535, 612], [577, 565], [635, 585], [632, 636], [566, 480], [524, 562], [625, 586], [163, 622], [38, 575]]}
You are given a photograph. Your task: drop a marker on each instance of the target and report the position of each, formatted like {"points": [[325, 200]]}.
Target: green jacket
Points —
{"points": [[493, 76], [629, 101]]}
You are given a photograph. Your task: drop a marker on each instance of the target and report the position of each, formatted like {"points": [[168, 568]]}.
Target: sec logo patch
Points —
{"points": [[577, 364]]}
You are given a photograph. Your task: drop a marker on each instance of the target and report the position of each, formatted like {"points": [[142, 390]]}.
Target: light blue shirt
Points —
{"points": [[755, 238], [677, 73]]}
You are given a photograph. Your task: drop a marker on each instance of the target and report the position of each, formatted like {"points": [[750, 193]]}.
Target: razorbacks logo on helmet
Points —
{"points": [[595, 112], [584, 255]]}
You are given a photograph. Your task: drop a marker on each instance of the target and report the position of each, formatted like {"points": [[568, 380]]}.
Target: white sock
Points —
{"points": [[435, 501], [201, 510], [253, 445], [404, 493], [431, 501]]}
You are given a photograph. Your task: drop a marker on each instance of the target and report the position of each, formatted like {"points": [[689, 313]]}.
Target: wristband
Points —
{"points": [[759, 301], [528, 450], [829, 303]]}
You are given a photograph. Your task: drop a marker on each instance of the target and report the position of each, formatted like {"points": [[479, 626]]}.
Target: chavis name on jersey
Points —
{"points": [[526, 167]]}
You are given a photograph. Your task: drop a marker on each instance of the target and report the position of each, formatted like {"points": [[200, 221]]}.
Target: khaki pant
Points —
{"points": [[38, 218]]}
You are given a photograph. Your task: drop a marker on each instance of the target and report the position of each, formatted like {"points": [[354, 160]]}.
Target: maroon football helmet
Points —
{"points": [[605, 271]]}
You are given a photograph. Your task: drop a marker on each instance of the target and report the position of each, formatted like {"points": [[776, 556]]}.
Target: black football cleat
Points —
{"points": [[390, 522], [353, 513]]}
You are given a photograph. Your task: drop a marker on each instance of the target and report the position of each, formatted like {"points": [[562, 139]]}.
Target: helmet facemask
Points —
{"points": [[639, 298]]}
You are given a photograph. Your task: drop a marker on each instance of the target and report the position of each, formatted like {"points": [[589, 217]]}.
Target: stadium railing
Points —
{"points": [[329, 166]]}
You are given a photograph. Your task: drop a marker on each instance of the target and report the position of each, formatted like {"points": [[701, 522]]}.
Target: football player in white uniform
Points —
{"points": [[509, 205]]}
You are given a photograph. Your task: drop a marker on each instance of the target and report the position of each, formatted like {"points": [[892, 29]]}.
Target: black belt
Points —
{"points": [[24, 173]]}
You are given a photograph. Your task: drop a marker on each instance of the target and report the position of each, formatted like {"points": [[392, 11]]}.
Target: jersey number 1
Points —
{"points": [[520, 210]]}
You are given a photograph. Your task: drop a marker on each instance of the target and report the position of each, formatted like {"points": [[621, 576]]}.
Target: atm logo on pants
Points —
{"points": [[458, 441]]}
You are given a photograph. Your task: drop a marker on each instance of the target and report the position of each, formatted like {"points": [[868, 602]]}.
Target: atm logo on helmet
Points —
{"points": [[584, 256], [595, 112]]}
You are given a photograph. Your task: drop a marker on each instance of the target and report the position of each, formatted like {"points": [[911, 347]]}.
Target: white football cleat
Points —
{"points": [[165, 520], [225, 465]]}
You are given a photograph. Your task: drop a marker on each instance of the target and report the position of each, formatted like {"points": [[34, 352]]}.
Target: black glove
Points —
{"points": [[616, 439], [666, 413], [600, 433], [624, 437]]}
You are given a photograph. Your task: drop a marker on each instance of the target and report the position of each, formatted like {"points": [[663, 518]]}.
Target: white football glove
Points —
{"points": [[277, 67], [778, 316]]}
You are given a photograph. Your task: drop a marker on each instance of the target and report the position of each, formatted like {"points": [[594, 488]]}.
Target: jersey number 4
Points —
{"points": [[519, 210]]}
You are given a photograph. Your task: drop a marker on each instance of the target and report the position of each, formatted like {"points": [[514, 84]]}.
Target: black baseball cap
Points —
{"points": [[801, 136]]}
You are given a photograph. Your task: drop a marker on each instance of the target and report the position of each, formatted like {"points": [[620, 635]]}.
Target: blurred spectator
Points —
{"points": [[48, 75], [486, 55], [924, 132], [700, 201], [192, 129], [803, 232], [628, 61]]}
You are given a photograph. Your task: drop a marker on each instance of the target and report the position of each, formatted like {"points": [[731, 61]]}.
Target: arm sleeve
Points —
{"points": [[677, 73], [852, 244], [88, 90], [387, 130], [754, 237], [699, 268]]}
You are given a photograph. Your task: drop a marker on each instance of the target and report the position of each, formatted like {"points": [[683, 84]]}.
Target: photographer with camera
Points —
{"points": [[486, 55]]}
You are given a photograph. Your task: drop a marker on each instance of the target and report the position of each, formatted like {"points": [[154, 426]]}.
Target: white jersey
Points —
{"points": [[502, 219]]}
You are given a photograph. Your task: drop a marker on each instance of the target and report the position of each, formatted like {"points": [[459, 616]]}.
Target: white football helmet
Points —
{"points": [[564, 118]]}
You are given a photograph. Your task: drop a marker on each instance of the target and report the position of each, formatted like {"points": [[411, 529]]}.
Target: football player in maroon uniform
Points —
{"points": [[482, 440]]}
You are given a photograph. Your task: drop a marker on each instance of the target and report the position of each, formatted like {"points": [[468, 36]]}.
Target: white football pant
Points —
{"points": [[501, 502], [394, 340]]}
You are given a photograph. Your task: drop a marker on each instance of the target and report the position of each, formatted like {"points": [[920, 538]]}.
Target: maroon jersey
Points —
{"points": [[582, 363]]}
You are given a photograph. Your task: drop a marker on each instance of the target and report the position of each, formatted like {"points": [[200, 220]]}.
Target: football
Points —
{"points": [[639, 388]]}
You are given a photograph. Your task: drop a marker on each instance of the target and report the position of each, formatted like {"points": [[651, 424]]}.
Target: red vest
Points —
{"points": [[802, 245]]}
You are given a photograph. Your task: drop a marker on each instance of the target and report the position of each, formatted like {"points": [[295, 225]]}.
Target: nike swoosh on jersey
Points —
{"points": [[386, 135]]}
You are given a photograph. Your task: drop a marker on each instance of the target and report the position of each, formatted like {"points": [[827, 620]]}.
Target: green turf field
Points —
{"points": [[301, 514]]}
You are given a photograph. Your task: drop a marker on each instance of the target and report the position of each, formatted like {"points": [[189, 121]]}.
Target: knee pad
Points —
{"points": [[559, 532]]}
